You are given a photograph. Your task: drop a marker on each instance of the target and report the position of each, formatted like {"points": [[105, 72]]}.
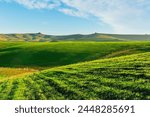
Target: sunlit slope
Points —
{"points": [[126, 77], [43, 55], [10, 73]]}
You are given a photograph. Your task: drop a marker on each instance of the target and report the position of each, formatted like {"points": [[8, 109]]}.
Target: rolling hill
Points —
{"points": [[74, 70], [39, 37], [45, 55], [126, 77]]}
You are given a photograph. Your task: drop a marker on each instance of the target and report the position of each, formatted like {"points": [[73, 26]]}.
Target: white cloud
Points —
{"points": [[39, 4], [73, 12], [124, 16]]}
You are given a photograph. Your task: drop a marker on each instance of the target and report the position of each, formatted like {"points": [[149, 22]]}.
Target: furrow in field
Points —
{"points": [[49, 91], [5, 89], [140, 88], [33, 90], [71, 81]]}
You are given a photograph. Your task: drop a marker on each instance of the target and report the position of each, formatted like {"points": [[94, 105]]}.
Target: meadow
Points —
{"points": [[74, 70]]}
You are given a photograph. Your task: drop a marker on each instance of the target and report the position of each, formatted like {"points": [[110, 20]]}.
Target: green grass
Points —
{"points": [[43, 55], [71, 71], [125, 77]]}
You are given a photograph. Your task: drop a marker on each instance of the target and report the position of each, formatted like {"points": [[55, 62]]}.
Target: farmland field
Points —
{"points": [[74, 70]]}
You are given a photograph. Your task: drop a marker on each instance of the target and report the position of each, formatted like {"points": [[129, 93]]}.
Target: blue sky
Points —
{"points": [[74, 16]]}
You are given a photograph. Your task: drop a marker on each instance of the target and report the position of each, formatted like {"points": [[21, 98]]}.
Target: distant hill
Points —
{"points": [[39, 37]]}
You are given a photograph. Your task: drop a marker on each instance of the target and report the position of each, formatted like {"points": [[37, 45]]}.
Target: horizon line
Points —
{"points": [[76, 33]]}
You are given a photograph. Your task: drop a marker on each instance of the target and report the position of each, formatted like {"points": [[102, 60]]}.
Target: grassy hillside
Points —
{"points": [[126, 77], [39, 37], [43, 55], [37, 55], [34, 70]]}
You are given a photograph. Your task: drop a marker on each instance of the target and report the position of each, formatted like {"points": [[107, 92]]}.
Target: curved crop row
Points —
{"points": [[124, 77]]}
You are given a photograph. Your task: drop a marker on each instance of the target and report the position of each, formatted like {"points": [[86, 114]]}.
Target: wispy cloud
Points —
{"points": [[36, 4], [73, 12], [39, 4], [124, 16]]}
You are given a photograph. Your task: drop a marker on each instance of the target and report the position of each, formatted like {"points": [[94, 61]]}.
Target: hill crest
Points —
{"points": [[39, 37]]}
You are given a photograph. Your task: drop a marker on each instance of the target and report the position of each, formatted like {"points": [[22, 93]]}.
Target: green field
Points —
{"points": [[74, 70]]}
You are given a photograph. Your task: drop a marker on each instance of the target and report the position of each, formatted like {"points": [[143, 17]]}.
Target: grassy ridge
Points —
{"points": [[43, 55], [126, 77], [98, 37]]}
